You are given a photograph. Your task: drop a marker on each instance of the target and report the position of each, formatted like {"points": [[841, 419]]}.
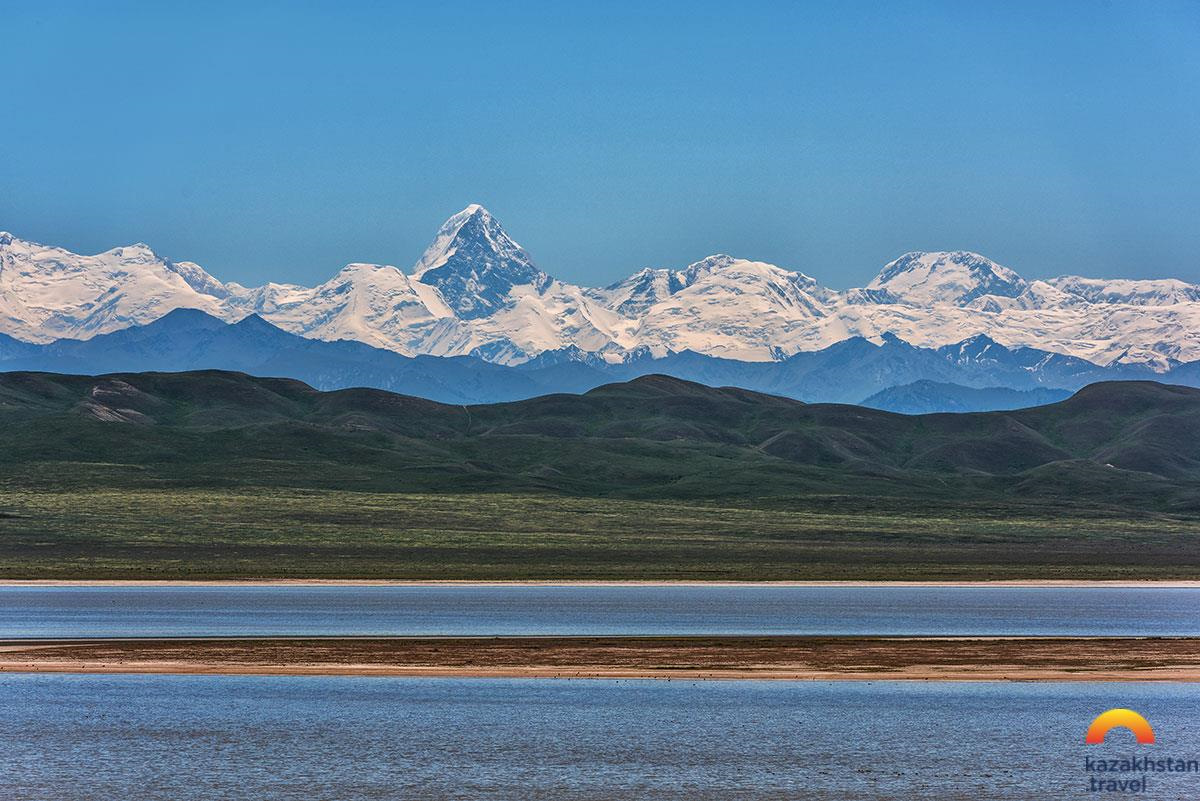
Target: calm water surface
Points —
{"points": [[205, 737], [231, 610]]}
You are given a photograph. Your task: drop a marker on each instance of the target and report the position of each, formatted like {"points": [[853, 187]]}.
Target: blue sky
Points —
{"points": [[283, 141]]}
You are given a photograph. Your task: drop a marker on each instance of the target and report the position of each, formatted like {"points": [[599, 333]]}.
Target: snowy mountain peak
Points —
{"points": [[198, 278], [476, 291], [138, 252], [1159, 292], [474, 264], [709, 264], [714, 276], [47, 292], [473, 222], [632, 296], [366, 268], [953, 278]]}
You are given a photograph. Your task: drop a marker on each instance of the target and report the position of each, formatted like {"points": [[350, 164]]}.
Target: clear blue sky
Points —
{"points": [[284, 141]]}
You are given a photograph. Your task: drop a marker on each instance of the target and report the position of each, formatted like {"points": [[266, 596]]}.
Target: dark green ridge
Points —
{"points": [[1123, 443]]}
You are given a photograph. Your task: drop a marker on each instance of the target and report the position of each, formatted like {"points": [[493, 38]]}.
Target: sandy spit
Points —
{"points": [[671, 658]]}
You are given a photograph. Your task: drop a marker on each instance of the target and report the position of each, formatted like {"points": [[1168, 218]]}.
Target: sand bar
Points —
{"points": [[775, 657]]}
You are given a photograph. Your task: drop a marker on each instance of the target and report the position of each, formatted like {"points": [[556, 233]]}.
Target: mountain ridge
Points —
{"points": [[846, 372], [475, 291]]}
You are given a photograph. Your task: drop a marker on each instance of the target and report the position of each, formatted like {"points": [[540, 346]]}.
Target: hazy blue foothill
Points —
{"points": [[855, 370], [925, 396]]}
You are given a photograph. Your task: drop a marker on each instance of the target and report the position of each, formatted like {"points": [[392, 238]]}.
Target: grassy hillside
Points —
{"points": [[222, 475], [1130, 443]]}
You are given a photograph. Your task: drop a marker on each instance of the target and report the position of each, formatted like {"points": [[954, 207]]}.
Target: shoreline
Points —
{"points": [[285, 582], [791, 658]]}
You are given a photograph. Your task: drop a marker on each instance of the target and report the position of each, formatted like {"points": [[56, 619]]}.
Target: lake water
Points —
{"points": [[233, 610], [204, 737], [233, 737]]}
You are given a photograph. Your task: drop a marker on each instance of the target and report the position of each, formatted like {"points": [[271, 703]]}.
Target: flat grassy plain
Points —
{"points": [[242, 533]]}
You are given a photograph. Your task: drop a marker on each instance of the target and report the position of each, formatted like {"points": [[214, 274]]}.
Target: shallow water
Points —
{"points": [[202, 737], [231, 610]]}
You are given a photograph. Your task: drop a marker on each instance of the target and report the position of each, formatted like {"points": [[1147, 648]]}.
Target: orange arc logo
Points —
{"points": [[1120, 719]]}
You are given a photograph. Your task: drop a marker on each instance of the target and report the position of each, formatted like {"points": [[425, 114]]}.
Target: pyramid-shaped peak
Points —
{"points": [[474, 209], [474, 264], [472, 212], [472, 225]]}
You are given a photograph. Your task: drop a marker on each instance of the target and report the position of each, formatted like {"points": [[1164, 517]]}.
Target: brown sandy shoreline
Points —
{"points": [[693, 658]]}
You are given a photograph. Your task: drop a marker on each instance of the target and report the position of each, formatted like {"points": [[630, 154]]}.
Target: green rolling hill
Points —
{"points": [[657, 477], [654, 437]]}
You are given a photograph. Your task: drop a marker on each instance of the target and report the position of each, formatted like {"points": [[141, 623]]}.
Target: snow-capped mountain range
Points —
{"points": [[475, 291]]}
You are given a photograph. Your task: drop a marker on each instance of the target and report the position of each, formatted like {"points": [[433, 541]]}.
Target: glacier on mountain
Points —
{"points": [[476, 291]]}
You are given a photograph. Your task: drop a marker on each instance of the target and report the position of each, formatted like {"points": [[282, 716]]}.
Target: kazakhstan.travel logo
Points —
{"points": [[1128, 773], [1120, 718]]}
